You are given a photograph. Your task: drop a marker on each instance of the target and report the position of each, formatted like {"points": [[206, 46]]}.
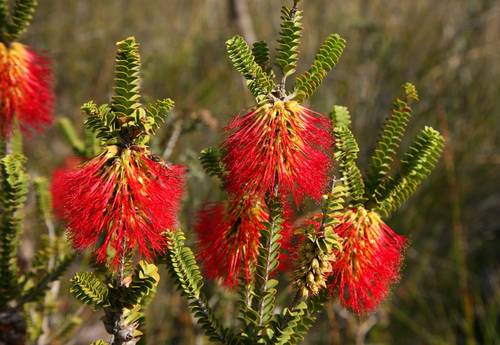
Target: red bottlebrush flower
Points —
{"points": [[283, 144], [25, 89], [56, 187], [369, 261], [121, 200], [228, 238], [288, 241]]}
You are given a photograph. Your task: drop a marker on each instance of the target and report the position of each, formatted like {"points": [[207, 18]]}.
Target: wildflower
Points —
{"points": [[229, 235], [282, 144], [368, 262], [56, 188], [120, 200], [25, 89]]}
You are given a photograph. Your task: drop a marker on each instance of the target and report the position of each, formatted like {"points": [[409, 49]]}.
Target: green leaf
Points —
{"points": [[267, 262], [92, 144], [20, 19], [327, 57], [390, 140], [334, 205], [211, 160], [247, 315], [416, 165], [89, 289], [4, 14], [288, 43], [157, 114], [346, 155], [182, 266], [71, 136], [293, 324], [126, 97], [340, 116], [41, 287], [125, 121], [44, 199], [258, 81], [260, 52], [102, 121], [14, 188], [143, 286], [16, 140]]}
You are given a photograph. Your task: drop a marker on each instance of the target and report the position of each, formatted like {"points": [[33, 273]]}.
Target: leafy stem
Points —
{"points": [[267, 261]]}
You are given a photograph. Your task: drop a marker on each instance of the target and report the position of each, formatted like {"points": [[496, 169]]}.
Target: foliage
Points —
{"points": [[211, 160], [16, 20], [254, 63], [14, 186], [125, 121], [258, 81], [28, 290], [184, 269], [347, 155], [327, 57], [267, 261], [260, 322], [122, 295], [381, 39], [288, 44], [88, 289], [123, 301], [416, 165], [390, 138], [386, 192]]}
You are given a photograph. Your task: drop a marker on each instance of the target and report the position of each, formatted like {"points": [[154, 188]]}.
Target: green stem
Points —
{"points": [[295, 324], [268, 260]]}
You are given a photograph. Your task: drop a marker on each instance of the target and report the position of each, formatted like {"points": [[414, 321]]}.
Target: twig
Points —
{"points": [[364, 328], [172, 141]]}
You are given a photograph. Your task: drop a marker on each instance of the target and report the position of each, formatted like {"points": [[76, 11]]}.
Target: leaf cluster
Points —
{"points": [[386, 188], [27, 291], [14, 20], [182, 266], [125, 121], [256, 66], [123, 302], [211, 161]]}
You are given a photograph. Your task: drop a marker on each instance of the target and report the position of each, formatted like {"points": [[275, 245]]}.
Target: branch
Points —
{"points": [[267, 261]]}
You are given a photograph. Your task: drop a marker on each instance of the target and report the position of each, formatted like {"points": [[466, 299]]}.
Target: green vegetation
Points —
{"points": [[449, 50]]}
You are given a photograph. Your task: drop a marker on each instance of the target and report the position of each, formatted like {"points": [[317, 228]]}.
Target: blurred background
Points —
{"points": [[449, 291]]}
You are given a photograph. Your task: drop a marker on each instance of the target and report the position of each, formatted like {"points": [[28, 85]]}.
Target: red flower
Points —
{"points": [[229, 235], [369, 261], [56, 187], [288, 241], [282, 144], [121, 200], [25, 89]]}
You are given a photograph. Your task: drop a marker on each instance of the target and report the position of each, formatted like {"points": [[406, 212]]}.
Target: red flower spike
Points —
{"points": [[121, 201], [25, 89], [56, 187], [282, 144], [287, 241], [369, 261], [228, 238]]}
